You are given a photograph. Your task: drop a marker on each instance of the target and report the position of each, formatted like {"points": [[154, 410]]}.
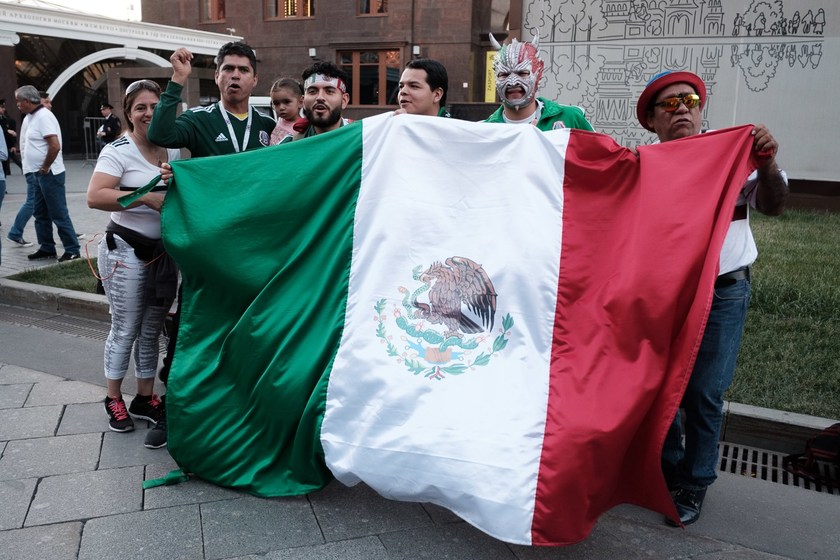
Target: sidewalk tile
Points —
{"points": [[441, 515], [69, 497], [194, 491], [161, 534], [13, 396], [85, 418], [16, 374], [15, 495], [613, 534], [23, 423], [33, 458], [255, 526], [64, 392], [790, 521], [56, 542], [367, 548], [461, 541], [126, 449], [350, 512]]}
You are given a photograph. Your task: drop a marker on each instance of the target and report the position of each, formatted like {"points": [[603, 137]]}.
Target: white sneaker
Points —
{"points": [[80, 236]]}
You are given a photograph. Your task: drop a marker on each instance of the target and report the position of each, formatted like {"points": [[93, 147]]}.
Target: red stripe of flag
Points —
{"points": [[641, 241]]}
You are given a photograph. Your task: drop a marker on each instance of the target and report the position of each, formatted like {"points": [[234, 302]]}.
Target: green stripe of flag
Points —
{"points": [[281, 231]]}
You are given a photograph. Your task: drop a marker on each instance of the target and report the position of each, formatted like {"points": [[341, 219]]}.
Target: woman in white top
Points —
{"points": [[139, 278]]}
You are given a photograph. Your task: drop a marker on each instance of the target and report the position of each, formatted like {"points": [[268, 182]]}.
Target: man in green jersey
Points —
{"points": [[518, 68], [226, 127]]}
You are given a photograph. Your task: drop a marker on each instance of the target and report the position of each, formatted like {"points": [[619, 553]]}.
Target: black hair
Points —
{"points": [[436, 75], [237, 48], [329, 70]]}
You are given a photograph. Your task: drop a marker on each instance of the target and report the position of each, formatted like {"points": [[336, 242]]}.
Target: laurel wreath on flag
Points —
{"points": [[416, 336]]}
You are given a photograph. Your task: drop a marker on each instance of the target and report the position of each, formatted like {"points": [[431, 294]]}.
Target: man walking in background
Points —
{"points": [[43, 167]]}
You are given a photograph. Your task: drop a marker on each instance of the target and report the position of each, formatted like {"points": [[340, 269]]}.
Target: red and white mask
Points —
{"points": [[518, 68]]}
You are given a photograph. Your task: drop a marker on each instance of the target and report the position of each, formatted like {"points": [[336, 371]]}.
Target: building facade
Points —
{"points": [[372, 39]]}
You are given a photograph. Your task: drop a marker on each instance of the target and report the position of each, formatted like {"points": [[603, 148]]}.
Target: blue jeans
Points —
{"points": [[693, 465], [25, 212], [50, 207]]}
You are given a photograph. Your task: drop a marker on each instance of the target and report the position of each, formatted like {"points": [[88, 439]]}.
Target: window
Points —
{"points": [[286, 9], [212, 10], [374, 76], [373, 7]]}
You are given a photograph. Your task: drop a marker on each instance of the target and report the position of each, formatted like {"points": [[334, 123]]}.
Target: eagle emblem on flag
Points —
{"points": [[434, 339]]}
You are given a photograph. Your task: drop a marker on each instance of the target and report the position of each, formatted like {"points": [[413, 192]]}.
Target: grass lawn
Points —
{"points": [[790, 356], [73, 275]]}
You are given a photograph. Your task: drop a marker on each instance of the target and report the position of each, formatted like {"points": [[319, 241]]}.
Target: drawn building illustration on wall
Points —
{"points": [[599, 55]]}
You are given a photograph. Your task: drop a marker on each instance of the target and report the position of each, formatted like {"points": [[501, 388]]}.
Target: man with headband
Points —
{"points": [[324, 98], [518, 69], [226, 127], [671, 106]]}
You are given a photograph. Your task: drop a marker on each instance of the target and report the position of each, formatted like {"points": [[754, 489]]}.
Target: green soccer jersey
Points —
{"points": [[203, 130], [553, 116]]}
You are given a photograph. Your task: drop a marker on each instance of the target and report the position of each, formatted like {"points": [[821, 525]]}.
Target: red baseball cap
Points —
{"points": [[660, 82]]}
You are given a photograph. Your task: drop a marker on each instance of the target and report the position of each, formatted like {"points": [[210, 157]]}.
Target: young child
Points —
{"points": [[287, 100]]}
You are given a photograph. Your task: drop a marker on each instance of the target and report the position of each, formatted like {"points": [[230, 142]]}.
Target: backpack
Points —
{"points": [[823, 448]]}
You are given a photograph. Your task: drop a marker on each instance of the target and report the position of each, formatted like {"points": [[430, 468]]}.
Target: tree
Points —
{"points": [[764, 14], [545, 20]]}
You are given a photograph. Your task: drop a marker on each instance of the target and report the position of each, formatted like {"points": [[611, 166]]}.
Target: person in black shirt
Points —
{"points": [[110, 128]]}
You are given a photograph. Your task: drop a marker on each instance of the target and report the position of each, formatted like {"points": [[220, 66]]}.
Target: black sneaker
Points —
{"points": [[156, 437], [69, 257], [146, 407], [39, 255], [118, 418], [688, 503]]}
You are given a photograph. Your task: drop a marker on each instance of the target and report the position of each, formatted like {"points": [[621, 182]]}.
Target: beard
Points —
{"points": [[323, 122]]}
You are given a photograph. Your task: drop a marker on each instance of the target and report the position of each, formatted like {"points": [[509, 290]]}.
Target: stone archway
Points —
{"points": [[127, 53]]}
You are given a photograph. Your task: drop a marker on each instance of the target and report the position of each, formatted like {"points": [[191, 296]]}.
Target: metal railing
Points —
{"points": [[91, 127]]}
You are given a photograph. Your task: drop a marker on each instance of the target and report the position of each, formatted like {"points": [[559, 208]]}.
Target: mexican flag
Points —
{"points": [[490, 318]]}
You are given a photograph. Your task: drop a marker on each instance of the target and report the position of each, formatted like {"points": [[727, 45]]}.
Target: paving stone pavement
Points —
{"points": [[71, 489]]}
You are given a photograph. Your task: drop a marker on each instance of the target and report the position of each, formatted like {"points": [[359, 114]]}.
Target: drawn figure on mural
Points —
{"points": [[807, 22], [737, 25], [819, 22], [794, 23], [760, 23]]}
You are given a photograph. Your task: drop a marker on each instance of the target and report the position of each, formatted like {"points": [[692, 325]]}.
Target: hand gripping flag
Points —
{"points": [[490, 318]]}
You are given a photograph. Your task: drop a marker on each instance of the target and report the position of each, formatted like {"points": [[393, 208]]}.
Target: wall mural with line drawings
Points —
{"points": [[769, 61]]}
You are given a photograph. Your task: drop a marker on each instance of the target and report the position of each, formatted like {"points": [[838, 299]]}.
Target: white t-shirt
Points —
{"points": [[739, 245], [35, 127], [122, 158]]}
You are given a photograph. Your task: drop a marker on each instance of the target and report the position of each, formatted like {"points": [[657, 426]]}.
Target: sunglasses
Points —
{"points": [[670, 104], [142, 84]]}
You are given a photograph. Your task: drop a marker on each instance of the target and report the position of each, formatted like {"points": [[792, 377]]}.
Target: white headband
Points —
{"points": [[326, 80]]}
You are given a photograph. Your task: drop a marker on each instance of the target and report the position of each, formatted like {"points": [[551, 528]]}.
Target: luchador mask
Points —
{"points": [[510, 61]]}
